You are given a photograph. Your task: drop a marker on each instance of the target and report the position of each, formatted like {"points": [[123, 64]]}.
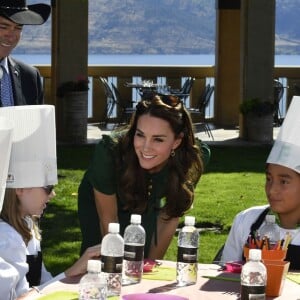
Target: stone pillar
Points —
{"points": [[257, 51], [227, 66], [69, 45]]}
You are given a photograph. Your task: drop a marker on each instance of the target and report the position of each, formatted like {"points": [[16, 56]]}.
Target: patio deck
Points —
{"points": [[222, 136]]}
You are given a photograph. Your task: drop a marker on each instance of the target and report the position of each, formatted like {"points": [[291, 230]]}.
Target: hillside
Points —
{"points": [[159, 27]]}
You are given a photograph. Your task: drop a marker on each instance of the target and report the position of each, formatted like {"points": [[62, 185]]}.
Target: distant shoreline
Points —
{"points": [[149, 59], [92, 53]]}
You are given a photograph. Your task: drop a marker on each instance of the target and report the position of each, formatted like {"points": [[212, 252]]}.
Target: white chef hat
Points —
{"points": [[6, 131], [33, 153], [286, 149]]}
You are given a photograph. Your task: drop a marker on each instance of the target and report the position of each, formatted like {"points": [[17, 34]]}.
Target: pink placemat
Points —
{"points": [[150, 296]]}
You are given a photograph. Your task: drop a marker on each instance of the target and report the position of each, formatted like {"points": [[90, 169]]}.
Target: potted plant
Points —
{"points": [[257, 107], [74, 110], [258, 116]]}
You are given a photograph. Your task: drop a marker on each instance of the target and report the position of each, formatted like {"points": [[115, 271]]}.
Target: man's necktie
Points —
{"points": [[6, 98]]}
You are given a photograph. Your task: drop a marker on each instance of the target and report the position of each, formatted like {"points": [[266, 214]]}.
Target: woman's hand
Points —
{"points": [[165, 232], [80, 266]]}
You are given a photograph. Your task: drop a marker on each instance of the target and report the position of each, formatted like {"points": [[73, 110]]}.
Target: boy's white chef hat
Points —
{"points": [[286, 149], [33, 153], [6, 131]]}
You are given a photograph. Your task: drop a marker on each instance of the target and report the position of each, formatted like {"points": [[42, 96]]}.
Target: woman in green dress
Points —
{"points": [[149, 168]]}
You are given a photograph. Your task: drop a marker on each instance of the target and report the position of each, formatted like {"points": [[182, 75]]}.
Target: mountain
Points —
{"points": [[159, 27], [287, 28]]}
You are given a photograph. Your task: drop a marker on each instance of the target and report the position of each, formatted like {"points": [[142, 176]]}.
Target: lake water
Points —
{"points": [[201, 59]]}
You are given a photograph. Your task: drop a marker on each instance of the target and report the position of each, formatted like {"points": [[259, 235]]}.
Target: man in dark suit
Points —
{"points": [[20, 83]]}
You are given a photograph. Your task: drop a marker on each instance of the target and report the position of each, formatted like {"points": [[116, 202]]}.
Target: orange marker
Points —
{"points": [[278, 245]]}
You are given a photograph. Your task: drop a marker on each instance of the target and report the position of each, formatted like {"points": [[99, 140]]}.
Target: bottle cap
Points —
{"points": [[270, 218], [113, 227], [135, 219], [189, 221], [255, 254], [94, 265]]}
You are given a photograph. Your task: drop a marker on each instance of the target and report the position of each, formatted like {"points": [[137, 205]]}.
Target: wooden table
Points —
{"points": [[205, 288], [145, 89]]}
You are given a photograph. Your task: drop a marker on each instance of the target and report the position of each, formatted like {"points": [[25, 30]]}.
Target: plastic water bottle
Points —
{"points": [[112, 252], [253, 277], [270, 231], [187, 255], [134, 240], [93, 285]]}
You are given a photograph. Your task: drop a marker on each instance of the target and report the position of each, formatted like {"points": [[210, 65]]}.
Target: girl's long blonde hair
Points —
{"points": [[11, 214]]}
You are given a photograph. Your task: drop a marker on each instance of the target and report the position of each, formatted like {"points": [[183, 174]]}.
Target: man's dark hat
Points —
{"points": [[18, 12]]}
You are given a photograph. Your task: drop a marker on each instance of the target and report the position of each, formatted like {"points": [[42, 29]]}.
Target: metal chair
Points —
{"points": [[297, 89], [125, 107], [278, 93], [185, 90], [110, 100], [200, 108]]}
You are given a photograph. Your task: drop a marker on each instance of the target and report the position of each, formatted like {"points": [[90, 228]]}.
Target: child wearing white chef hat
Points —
{"points": [[32, 173], [6, 131], [282, 189], [8, 274]]}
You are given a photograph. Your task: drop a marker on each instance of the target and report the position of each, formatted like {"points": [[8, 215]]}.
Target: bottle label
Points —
{"points": [[133, 253], [187, 255], [111, 264], [253, 292]]}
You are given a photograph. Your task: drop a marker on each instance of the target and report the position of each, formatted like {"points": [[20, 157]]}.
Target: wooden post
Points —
{"points": [[227, 74], [69, 46], [257, 52]]}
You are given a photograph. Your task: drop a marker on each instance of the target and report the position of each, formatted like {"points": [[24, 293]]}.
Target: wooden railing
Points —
{"points": [[172, 75]]}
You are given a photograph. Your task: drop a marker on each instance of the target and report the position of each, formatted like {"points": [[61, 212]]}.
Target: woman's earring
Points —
{"points": [[172, 153]]}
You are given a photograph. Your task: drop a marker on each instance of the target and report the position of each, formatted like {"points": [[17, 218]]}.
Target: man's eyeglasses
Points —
{"points": [[48, 189]]}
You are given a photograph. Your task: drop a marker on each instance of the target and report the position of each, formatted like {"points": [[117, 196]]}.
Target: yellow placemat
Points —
{"points": [[60, 295], [161, 273], [67, 295], [294, 277]]}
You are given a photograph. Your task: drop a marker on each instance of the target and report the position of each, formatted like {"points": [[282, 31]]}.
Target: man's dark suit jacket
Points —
{"points": [[26, 83]]}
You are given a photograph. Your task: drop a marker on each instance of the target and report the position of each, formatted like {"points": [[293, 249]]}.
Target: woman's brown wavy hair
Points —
{"points": [[184, 169]]}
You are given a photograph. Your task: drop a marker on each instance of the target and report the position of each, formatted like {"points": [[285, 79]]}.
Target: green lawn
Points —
{"points": [[233, 181]]}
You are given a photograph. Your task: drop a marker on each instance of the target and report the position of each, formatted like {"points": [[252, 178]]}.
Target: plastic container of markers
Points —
{"points": [[276, 267]]}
